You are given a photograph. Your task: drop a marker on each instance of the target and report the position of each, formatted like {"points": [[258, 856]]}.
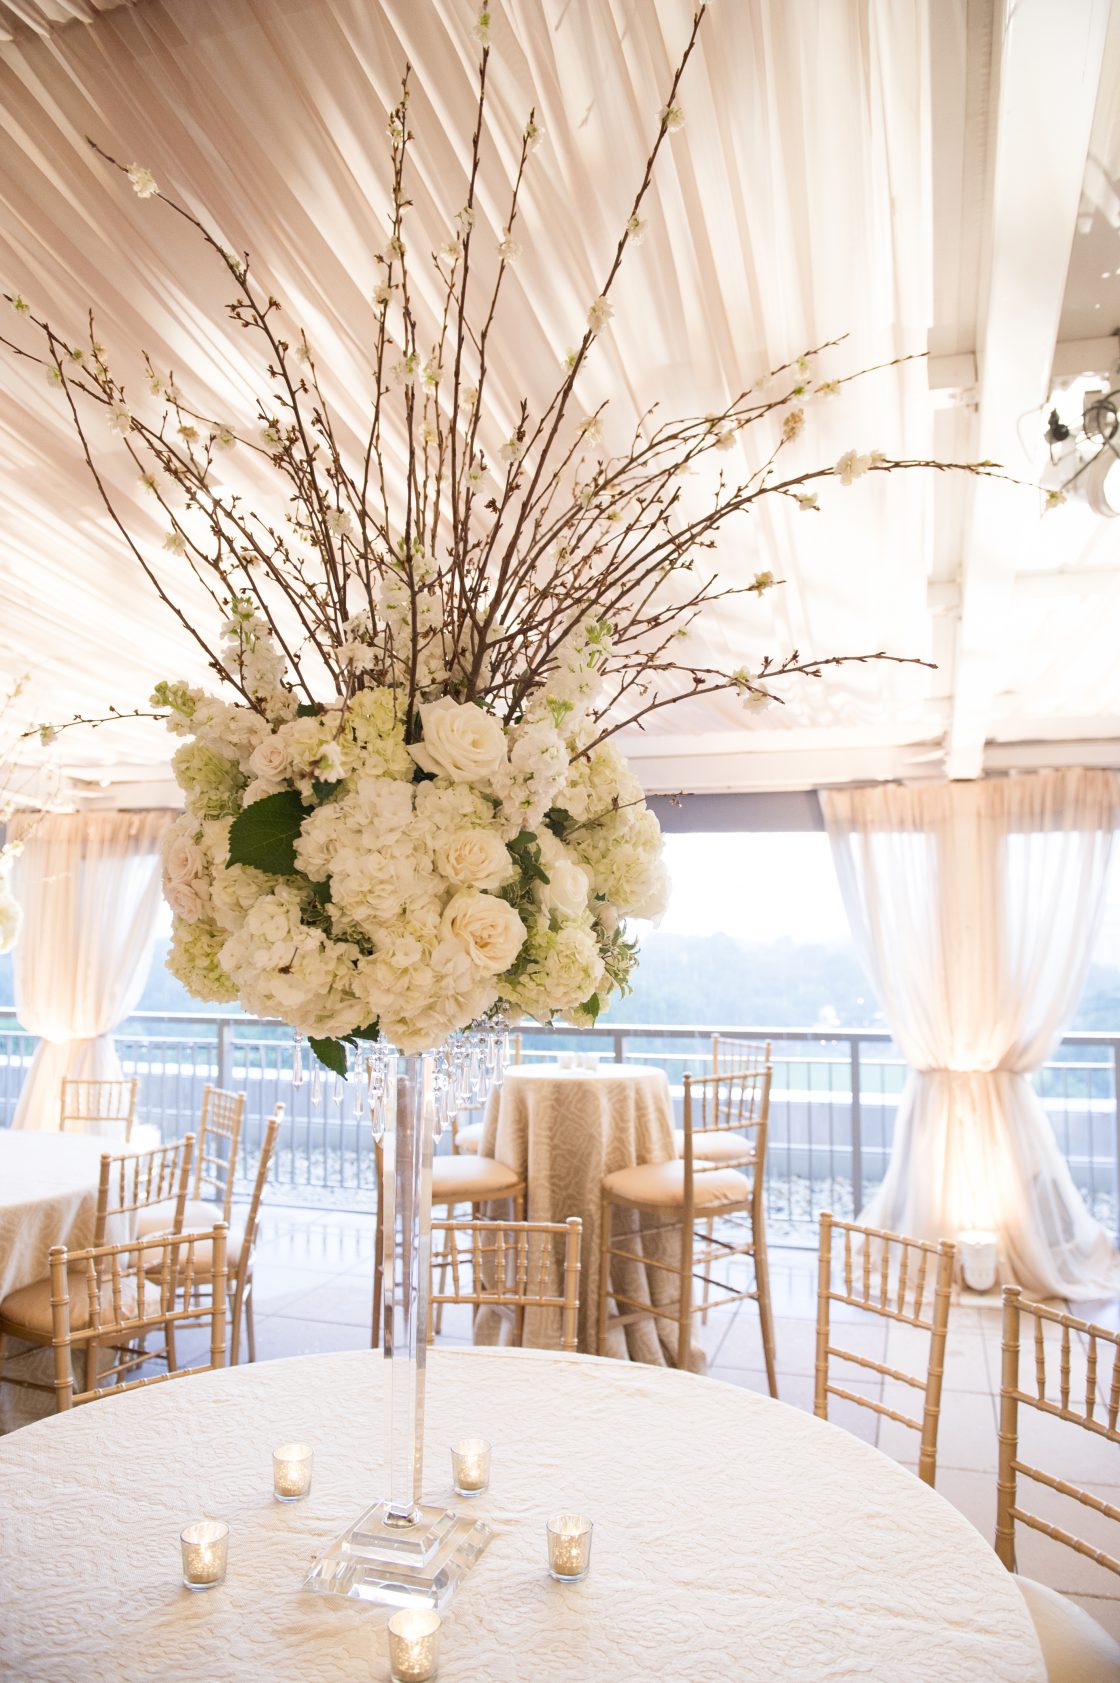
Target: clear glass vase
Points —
{"points": [[403, 1550]]}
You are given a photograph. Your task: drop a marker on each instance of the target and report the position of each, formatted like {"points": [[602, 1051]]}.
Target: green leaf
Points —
{"points": [[558, 820], [264, 834], [592, 1006], [372, 1031], [322, 892], [332, 1053], [308, 710], [324, 791]]}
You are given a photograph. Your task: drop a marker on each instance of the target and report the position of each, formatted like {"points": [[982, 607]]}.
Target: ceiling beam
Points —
{"points": [[1049, 72]]}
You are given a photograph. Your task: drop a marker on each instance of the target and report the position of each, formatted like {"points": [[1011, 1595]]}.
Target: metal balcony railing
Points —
{"points": [[833, 1105]]}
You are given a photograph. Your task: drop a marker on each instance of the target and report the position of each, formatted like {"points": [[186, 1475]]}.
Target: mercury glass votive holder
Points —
{"points": [[291, 1471], [205, 1546], [470, 1466], [569, 1547], [413, 1645]]}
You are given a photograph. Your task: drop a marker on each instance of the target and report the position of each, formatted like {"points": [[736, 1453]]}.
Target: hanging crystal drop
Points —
{"points": [[316, 1085], [338, 1088], [299, 1074]]}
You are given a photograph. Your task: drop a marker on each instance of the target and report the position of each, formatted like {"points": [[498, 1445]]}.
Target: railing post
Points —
{"points": [[856, 1129], [619, 1046], [225, 1053]]}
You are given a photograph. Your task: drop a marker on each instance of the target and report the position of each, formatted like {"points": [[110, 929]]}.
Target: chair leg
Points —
{"points": [[235, 1307], [605, 1214], [684, 1308], [710, 1229], [169, 1339], [250, 1329], [765, 1311], [3, 1351]]}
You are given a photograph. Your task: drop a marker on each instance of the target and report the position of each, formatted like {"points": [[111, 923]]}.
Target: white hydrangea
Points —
{"points": [[529, 780], [565, 969], [285, 967]]}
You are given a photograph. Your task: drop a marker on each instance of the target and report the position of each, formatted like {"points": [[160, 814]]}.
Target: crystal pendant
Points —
{"points": [[299, 1074]]}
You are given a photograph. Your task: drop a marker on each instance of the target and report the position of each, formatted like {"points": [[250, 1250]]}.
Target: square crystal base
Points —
{"points": [[401, 1565]]}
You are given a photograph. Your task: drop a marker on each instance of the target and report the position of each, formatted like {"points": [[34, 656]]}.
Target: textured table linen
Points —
{"points": [[564, 1129], [735, 1538], [48, 1196]]}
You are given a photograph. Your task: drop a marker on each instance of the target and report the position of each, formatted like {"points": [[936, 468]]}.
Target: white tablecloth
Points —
{"points": [[48, 1196], [564, 1129], [735, 1538]]}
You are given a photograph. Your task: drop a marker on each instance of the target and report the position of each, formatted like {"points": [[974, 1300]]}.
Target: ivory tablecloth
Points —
{"points": [[48, 1196], [564, 1129], [735, 1538]]}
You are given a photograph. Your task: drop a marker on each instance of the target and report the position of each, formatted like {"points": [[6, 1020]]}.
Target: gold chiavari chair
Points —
{"points": [[112, 1296], [900, 1279], [215, 1168], [733, 1057], [467, 1136], [1075, 1647], [511, 1265], [111, 1105], [129, 1185], [240, 1248], [677, 1195]]}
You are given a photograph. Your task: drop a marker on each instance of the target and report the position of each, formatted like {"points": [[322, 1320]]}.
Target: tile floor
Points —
{"points": [[313, 1291]]}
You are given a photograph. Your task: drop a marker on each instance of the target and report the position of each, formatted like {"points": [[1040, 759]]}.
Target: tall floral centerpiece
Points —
{"points": [[405, 811]]}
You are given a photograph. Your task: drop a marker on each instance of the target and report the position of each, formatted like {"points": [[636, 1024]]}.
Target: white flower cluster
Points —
{"points": [[414, 886]]}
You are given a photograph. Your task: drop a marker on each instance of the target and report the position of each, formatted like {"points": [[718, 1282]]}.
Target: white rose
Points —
{"points": [[566, 890], [184, 901], [488, 929], [460, 741], [475, 859], [270, 758], [183, 861]]}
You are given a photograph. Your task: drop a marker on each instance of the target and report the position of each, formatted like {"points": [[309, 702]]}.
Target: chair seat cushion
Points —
{"points": [[30, 1306], [198, 1215], [468, 1179], [1075, 1647], [663, 1184], [469, 1136], [720, 1147]]}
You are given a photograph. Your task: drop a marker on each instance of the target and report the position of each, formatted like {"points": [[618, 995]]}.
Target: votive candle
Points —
{"points": [[470, 1466], [205, 1546], [291, 1471], [413, 1645], [569, 1547]]}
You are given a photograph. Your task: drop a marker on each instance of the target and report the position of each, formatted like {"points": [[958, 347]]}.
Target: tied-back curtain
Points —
{"points": [[89, 885], [975, 907]]}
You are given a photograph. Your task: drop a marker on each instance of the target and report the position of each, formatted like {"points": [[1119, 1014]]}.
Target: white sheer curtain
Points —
{"points": [[975, 907], [89, 886]]}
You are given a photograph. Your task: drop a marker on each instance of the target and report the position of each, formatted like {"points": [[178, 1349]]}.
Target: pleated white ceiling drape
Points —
{"points": [[89, 885], [975, 907], [793, 206]]}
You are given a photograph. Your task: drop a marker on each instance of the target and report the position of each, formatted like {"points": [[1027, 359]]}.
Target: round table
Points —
{"points": [[735, 1538], [564, 1129], [48, 1196]]}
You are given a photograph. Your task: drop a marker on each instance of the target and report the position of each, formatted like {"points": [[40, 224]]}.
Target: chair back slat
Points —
{"points": [[109, 1104], [114, 1295], [516, 1265], [891, 1281], [1077, 1405], [135, 1180], [219, 1135]]}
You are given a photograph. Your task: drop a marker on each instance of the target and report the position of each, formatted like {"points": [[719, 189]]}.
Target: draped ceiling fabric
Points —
{"points": [[89, 886], [793, 207], [975, 907]]}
